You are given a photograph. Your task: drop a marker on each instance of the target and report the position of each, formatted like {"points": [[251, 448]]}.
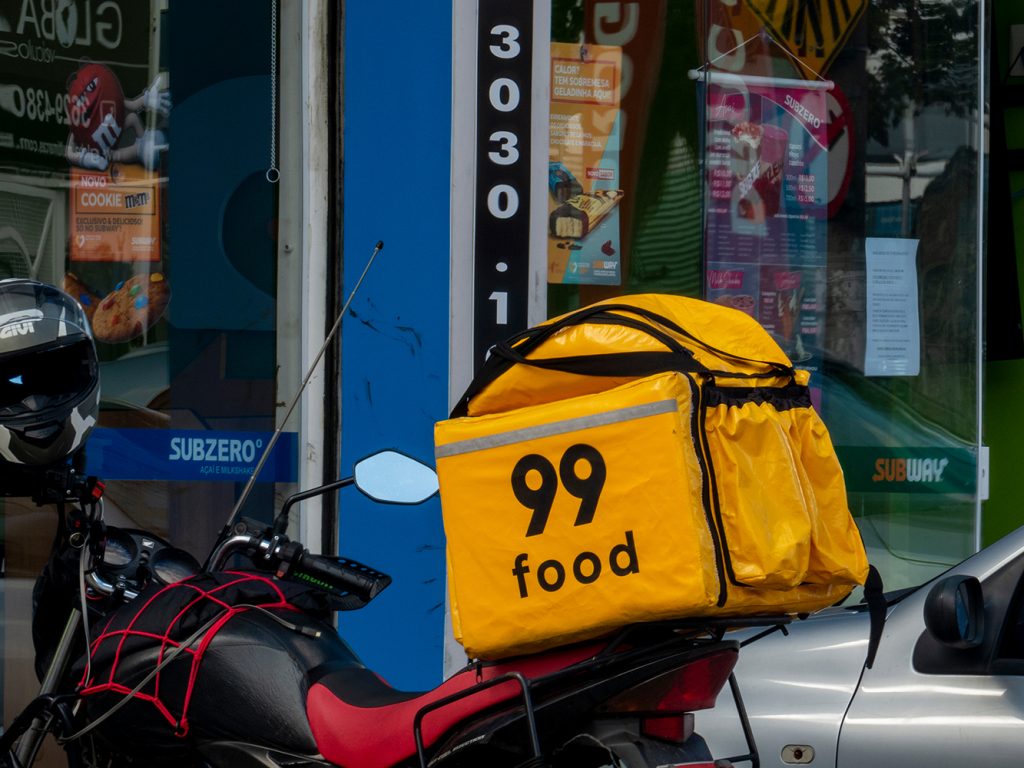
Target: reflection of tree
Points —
{"points": [[566, 20], [920, 52], [947, 261], [923, 54]]}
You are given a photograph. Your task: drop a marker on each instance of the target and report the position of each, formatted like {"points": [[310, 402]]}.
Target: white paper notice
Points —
{"points": [[893, 345]]}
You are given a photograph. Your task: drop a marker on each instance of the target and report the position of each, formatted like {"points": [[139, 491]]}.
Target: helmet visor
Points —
{"points": [[37, 380]]}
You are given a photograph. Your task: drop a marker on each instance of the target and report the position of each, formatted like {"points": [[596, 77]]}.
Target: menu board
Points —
{"points": [[766, 206]]}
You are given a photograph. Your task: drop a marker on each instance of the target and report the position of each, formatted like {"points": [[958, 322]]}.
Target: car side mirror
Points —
{"points": [[954, 612]]}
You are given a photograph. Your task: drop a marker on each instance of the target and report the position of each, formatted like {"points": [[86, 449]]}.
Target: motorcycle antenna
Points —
{"points": [[302, 388]]}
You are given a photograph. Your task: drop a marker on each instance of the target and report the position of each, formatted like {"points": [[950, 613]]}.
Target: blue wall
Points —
{"points": [[395, 337]]}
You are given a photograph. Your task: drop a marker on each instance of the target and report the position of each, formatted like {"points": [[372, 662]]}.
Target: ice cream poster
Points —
{"points": [[790, 307], [584, 182], [766, 166], [766, 171]]}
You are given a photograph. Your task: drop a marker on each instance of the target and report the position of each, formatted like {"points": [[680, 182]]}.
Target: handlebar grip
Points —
{"points": [[339, 575]]}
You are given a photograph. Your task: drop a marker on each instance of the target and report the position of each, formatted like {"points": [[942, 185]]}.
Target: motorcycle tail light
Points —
{"points": [[674, 728], [693, 686]]}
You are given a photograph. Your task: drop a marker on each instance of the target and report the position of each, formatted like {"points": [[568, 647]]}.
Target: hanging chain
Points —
{"points": [[273, 173]]}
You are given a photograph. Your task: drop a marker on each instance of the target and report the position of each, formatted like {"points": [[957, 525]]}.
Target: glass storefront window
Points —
{"points": [[657, 242], [135, 140], [815, 165]]}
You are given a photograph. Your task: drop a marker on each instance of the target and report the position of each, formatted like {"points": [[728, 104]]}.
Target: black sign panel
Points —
{"points": [[502, 232]]}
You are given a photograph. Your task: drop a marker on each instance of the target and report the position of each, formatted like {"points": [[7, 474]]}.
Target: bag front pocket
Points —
{"points": [[837, 553], [759, 484]]}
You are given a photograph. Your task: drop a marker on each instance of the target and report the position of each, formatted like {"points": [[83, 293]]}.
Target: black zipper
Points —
{"points": [[708, 490]]}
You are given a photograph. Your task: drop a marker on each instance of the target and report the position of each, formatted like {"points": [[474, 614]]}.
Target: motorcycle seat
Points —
{"points": [[358, 719]]}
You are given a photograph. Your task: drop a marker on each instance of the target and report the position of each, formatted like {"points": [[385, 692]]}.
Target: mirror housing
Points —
{"points": [[954, 612], [394, 478]]}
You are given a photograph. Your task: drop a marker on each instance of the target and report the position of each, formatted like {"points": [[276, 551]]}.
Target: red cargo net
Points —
{"points": [[185, 616]]}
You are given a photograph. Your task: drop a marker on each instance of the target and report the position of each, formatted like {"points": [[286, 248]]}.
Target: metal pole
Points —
{"points": [[302, 387], [29, 744]]}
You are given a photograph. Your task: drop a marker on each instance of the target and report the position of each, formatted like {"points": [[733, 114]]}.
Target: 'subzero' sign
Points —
{"points": [[186, 454]]}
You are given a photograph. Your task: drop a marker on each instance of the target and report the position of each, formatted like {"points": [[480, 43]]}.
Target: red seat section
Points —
{"points": [[358, 720]]}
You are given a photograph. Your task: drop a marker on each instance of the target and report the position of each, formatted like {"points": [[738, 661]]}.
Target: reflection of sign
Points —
{"points": [[638, 29], [585, 184], [41, 43], [732, 42], [115, 220], [840, 149], [812, 30]]}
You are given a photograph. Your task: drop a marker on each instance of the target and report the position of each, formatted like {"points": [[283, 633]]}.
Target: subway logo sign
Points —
{"points": [[909, 470]]}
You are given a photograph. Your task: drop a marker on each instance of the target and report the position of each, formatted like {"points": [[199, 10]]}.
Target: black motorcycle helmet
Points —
{"points": [[49, 374]]}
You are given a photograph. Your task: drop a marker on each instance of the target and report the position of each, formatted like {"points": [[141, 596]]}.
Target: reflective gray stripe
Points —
{"points": [[556, 428]]}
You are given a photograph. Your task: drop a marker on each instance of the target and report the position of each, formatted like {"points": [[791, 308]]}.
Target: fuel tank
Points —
{"points": [[238, 672]]}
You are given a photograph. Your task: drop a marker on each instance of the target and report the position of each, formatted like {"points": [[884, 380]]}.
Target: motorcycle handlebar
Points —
{"points": [[291, 559], [100, 585], [335, 574]]}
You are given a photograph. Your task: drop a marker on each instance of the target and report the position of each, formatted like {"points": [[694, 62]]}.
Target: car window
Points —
{"points": [[1011, 643]]}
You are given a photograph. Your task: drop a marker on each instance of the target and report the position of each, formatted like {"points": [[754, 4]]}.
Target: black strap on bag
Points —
{"points": [[516, 350], [654, 317]]}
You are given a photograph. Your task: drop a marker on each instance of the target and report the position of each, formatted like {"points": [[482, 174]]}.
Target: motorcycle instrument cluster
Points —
{"points": [[133, 558]]}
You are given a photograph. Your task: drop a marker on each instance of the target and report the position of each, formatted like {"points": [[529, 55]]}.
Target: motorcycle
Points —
{"points": [[147, 658], [164, 662]]}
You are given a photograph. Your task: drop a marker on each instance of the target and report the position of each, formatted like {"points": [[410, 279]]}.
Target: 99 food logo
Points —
{"points": [[535, 484]]}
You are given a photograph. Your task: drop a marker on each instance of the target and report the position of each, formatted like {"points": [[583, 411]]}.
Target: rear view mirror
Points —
{"points": [[954, 612], [395, 478]]}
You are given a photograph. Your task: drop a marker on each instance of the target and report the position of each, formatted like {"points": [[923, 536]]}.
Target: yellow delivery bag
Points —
{"points": [[618, 465]]}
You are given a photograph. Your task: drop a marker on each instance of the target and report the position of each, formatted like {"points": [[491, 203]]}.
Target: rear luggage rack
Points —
{"points": [[531, 720], [700, 633]]}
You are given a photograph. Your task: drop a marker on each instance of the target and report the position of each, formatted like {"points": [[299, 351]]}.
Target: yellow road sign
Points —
{"points": [[814, 31]]}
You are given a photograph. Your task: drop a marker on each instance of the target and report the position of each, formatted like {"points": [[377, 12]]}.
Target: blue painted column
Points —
{"points": [[397, 155]]}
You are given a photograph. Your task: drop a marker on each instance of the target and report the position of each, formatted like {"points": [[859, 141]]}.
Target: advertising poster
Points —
{"points": [[115, 216], [82, 107], [767, 200], [584, 179], [791, 308], [734, 285]]}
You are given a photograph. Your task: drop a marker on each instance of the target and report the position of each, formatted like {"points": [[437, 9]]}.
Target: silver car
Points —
{"points": [[946, 686]]}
